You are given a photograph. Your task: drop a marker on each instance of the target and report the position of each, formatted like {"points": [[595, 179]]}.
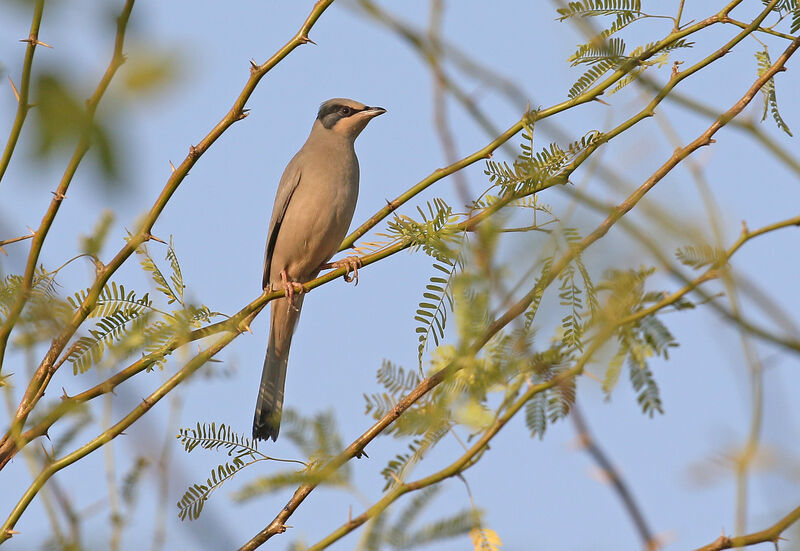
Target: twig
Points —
{"points": [[771, 534], [24, 88], [14, 240], [44, 372], [35, 386], [357, 446], [591, 446], [586, 97]]}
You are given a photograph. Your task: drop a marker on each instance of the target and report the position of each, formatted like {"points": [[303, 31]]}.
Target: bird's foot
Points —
{"points": [[351, 264], [291, 287]]}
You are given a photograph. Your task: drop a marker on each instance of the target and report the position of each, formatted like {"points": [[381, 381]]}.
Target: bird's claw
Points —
{"points": [[291, 287], [351, 264]]}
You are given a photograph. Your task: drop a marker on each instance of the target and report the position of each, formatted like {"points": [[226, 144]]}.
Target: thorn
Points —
{"points": [[194, 152], [306, 40], [47, 455], [598, 100], [243, 114], [154, 238], [363, 453], [13, 88], [172, 166], [253, 65], [2, 250], [488, 155], [58, 195], [40, 43], [10, 532], [64, 395]]}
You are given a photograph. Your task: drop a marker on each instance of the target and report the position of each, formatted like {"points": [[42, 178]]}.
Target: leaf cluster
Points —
{"points": [[399, 531], [605, 52], [433, 233], [768, 90], [637, 341]]}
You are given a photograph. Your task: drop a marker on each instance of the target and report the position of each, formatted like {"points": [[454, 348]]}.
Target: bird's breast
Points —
{"points": [[317, 217]]}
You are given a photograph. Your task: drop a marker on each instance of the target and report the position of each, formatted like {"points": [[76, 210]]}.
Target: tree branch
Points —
{"points": [[24, 87], [357, 446], [771, 534], [236, 113]]}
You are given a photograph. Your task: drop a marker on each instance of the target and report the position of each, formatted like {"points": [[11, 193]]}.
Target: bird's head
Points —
{"points": [[346, 117]]}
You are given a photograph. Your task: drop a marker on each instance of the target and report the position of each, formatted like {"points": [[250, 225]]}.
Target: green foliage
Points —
{"points": [[242, 449], [782, 5], [112, 299], [604, 53], [795, 28], [93, 244], [132, 480], [432, 311], [451, 526], [88, 350], [536, 414], [432, 234], [400, 533], [550, 405], [211, 437], [607, 57], [148, 70], [162, 285], [533, 171], [700, 256], [397, 382], [44, 312], [590, 8], [318, 439], [127, 320], [768, 90], [191, 503], [62, 119], [637, 341], [401, 466], [530, 313]]}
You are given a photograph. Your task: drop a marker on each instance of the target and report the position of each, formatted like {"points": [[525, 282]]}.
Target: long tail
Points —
{"points": [[267, 420]]}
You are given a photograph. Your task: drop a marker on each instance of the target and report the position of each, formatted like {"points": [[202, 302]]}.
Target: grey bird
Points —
{"points": [[313, 209]]}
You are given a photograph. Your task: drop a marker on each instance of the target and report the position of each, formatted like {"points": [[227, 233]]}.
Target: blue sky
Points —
{"points": [[537, 494]]}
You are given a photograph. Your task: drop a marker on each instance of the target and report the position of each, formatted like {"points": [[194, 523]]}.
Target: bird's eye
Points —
{"points": [[345, 111]]}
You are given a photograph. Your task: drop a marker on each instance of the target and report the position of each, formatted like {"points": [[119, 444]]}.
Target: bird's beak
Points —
{"points": [[374, 111]]}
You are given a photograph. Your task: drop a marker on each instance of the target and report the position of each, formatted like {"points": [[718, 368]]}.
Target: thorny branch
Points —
{"points": [[357, 446]]}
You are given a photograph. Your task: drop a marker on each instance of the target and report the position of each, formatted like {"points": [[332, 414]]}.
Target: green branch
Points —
{"points": [[771, 534], [589, 95], [357, 446], [236, 113], [43, 373], [112, 432], [24, 87]]}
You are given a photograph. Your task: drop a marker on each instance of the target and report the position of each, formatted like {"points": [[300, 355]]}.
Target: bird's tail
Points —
{"points": [[267, 419]]}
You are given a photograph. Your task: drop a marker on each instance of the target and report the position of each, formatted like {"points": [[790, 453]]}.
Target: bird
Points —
{"points": [[314, 206]]}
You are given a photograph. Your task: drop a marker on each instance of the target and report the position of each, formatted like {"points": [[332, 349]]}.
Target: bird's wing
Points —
{"points": [[289, 181]]}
